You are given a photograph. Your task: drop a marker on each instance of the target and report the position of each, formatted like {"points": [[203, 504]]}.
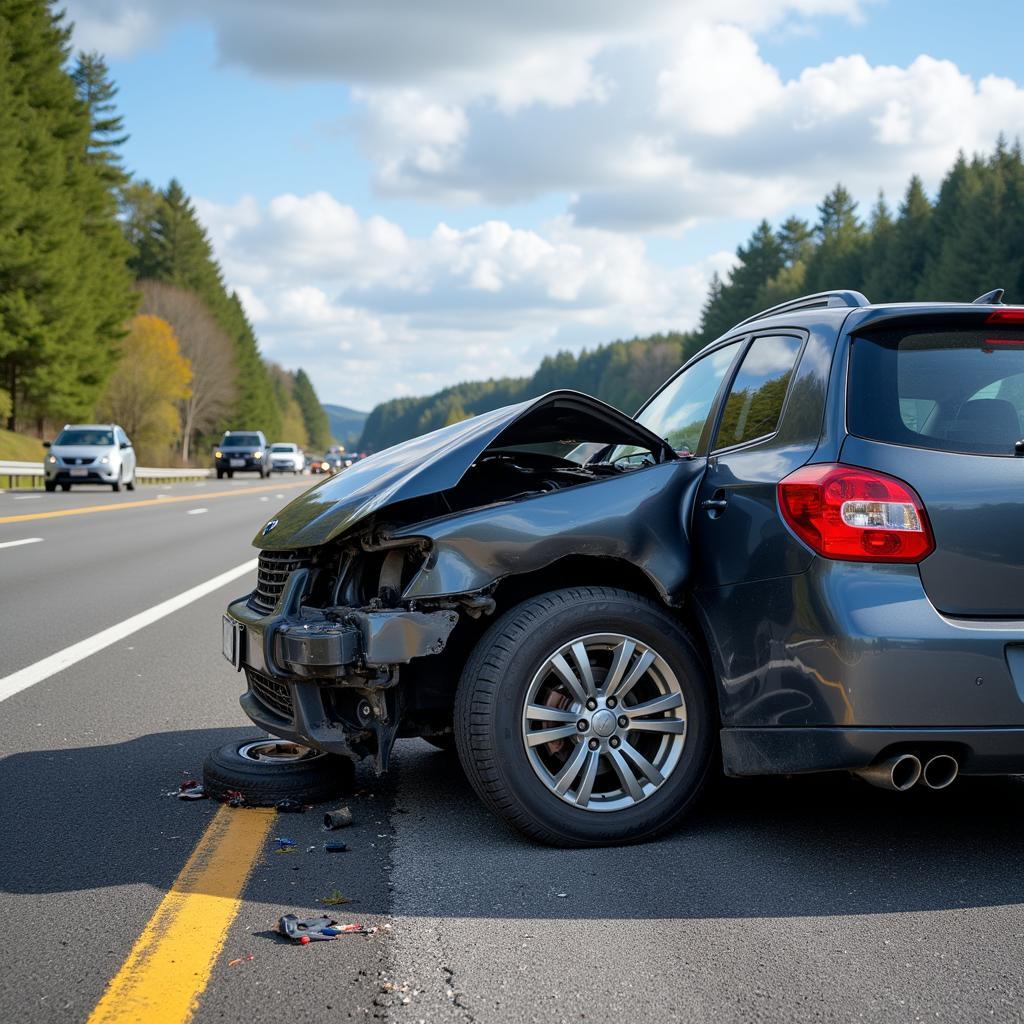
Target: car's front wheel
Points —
{"points": [[584, 717]]}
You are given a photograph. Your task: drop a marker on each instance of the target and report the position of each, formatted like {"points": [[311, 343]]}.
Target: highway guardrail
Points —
{"points": [[14, 473]]}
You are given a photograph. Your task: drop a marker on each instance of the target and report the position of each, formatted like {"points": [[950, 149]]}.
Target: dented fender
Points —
{"points": [[642, 517]]}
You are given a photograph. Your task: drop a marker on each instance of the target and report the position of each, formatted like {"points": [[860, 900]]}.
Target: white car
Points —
{"points": [[90, 453], [287, 458]]}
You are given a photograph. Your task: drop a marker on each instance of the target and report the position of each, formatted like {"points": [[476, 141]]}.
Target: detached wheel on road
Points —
{"points": [[268, 770], [584, 718]]}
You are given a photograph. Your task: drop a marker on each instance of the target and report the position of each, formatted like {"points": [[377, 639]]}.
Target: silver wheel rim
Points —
{"points": [[277, 751], [604, 723]]}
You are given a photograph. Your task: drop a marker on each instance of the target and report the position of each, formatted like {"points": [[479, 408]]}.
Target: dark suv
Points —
{"points": [[242, 451], [802, 555]]}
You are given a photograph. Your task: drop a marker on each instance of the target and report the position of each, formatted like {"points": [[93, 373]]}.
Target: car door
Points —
{"points": [[737, 530]]}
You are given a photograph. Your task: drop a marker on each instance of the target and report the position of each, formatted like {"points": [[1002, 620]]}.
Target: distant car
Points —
{"points": [[334, 462], [242, 451], [286, 458], [90, 453]]}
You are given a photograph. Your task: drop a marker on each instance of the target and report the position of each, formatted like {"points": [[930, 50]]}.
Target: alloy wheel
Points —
{"points": [[604, 722]]}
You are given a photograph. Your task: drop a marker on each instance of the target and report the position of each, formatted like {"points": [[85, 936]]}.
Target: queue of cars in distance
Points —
{"points": [[803, 554], [247, 451]]}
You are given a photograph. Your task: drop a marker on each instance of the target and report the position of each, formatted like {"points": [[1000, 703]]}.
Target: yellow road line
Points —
{"points": [[170, 964], [117, 506]]}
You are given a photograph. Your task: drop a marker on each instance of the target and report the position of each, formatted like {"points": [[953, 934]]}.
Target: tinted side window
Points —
{"points": [[758, 392], [678, 413], [956, 391]]}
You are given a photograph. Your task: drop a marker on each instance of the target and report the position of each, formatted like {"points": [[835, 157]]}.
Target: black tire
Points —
{"points": [[65, 487], [116, 485], [315, 780], [231, 474], [490, 701], [131, 483], [220, 474], [50, 486]]}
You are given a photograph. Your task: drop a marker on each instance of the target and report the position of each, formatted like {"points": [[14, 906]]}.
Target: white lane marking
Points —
{"points": [[196, 511], [26, 677], [264, 498], [18, 543], [26, 497], [278, 495]]}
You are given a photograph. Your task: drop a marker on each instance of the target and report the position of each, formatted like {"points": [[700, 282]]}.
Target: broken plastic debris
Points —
{"points": [[191, 789], [336, 847], [289, 806], [338, 819], [240, 960], [317, 929], [562, 895], [285, 845], [335, 899], [234, 797]]}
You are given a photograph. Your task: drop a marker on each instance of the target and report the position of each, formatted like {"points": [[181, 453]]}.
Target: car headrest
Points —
{"points": [[986, 421]]}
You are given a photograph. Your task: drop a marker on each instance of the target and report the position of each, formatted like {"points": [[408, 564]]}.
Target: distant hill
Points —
{"points": [[346, 424]]}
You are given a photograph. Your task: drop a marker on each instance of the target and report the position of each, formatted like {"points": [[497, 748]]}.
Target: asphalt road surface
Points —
{"points": [[802, 900]]}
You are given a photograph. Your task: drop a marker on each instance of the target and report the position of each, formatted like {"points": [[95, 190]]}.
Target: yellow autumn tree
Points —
{"points": [[151, 378]]}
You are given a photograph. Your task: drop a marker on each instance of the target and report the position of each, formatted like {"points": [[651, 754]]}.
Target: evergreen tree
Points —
{"points": [[317, 426], [878, 277], [65, 291], [837, 261], [97, 92], [796, 239]]}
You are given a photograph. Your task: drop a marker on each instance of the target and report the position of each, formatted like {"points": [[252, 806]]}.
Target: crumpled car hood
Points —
{"points": [[437, 461]]}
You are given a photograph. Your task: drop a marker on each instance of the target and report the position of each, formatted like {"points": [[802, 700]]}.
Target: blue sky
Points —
{"points": [[408, 197]]}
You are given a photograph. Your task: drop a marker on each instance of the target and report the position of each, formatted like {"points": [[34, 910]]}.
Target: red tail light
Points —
{"points": [[854, 514]]}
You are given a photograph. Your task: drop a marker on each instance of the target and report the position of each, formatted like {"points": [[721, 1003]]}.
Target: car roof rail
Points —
{"points": [[819, 300], [992, 298]]}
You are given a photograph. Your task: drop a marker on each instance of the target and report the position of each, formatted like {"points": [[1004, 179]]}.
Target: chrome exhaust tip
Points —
{"points": [[940, 771], [897, 773]]}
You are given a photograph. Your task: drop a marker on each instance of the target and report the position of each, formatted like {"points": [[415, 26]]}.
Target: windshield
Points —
{"points": [[290, 448], [241, 441], [86, 435]]}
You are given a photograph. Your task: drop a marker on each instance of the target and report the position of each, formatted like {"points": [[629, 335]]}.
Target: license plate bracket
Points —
{"points": [[79, 472], [235, 463], [233, 638]]}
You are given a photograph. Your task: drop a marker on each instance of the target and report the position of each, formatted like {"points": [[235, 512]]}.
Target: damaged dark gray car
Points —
{"points": [[804, 550]]}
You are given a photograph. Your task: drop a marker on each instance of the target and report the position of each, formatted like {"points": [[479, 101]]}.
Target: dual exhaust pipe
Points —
{"points": [[904, 771]]}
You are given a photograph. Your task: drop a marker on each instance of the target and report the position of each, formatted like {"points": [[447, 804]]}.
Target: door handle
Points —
{"points": [[714, 503]]}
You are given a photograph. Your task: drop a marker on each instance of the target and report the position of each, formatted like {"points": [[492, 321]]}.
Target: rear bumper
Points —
{"points": [[997, 751]]}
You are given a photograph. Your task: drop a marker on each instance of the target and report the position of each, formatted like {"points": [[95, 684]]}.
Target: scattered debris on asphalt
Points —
{"points": [[191, 789], [562, 895], [240, 960], [285, 845], [335, 899], [289, 806], [338, 819], [336, 847], [304, 930], [234, 797]]}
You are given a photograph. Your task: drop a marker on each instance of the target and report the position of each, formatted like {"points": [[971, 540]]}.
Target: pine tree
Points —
{"points": [[65, 292], [796, 239], [98, 92], [878, 275], [317, 426], [837, 262]]}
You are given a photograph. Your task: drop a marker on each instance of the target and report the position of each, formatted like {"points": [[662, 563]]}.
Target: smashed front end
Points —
{"points": [[374, 585]]}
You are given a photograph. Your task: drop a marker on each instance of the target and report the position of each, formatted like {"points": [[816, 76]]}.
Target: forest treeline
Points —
{"points": [[956, 245], [112, 304]]}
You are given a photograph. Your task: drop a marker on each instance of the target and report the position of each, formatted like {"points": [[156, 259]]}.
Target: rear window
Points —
{"points": [[955, 391]]}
